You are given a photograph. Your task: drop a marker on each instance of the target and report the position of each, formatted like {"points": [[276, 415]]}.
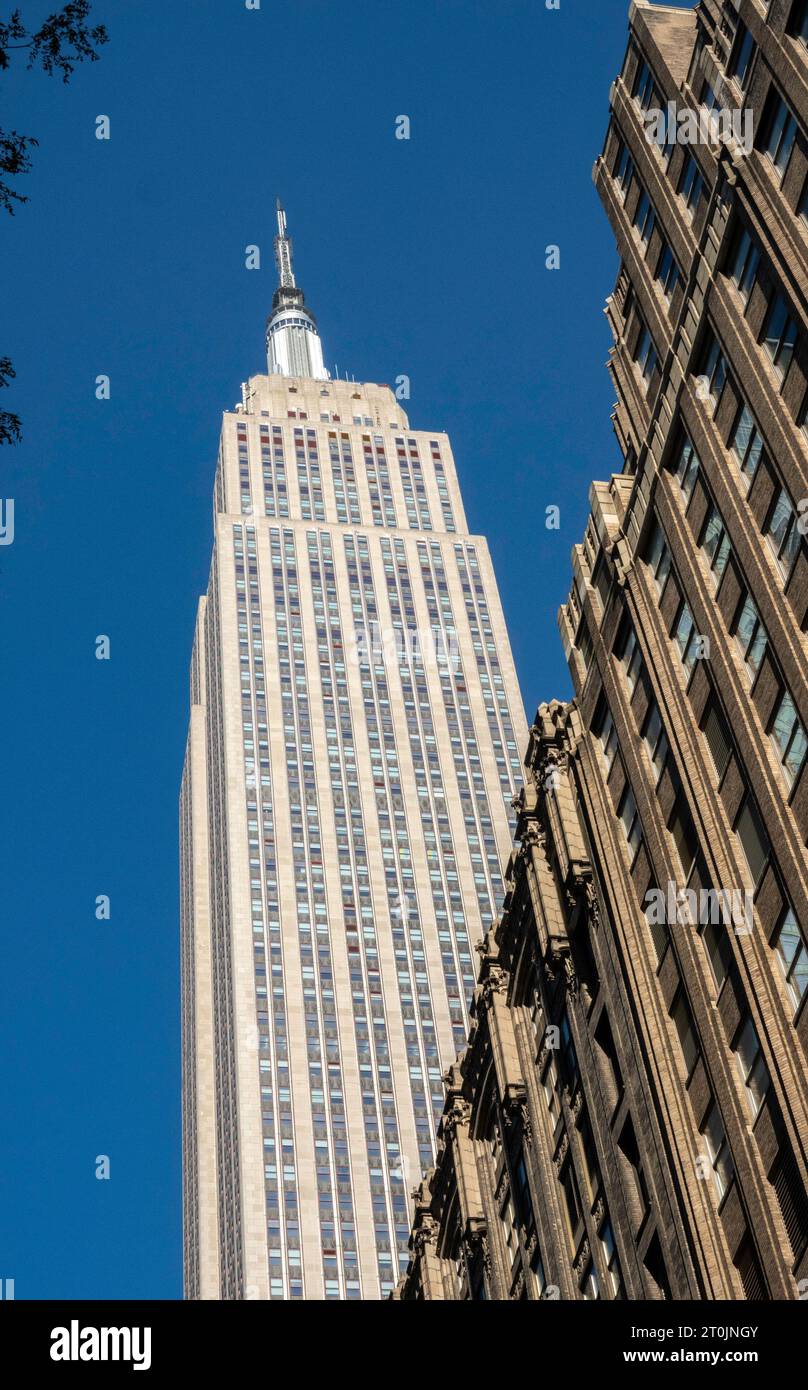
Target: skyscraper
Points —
{"points": [[630, 1119], [354, 747]]}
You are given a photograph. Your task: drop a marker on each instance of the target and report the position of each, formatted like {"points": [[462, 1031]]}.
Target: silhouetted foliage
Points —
{"points": [[9, 422], [58, 45]]}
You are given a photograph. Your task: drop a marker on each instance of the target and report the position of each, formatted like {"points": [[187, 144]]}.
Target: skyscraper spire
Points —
{"points": [[283, 251], [293, 343]]}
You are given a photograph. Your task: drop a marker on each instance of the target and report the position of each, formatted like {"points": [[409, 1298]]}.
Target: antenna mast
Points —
{"points": [[283, 251]]}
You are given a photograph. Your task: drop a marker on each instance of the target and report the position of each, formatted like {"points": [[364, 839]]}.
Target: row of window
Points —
{"points": [[782, 523], [790, 946], [788, 736], [786, 729], [377, 474], [566, 1072], [780, 333]]}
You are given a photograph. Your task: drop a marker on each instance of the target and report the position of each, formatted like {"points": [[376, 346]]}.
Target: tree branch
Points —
{"points": [[63, 41], [10, 428]]}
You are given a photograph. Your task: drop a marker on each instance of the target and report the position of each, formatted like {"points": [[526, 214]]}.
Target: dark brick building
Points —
{"points": [[630, 1117]]}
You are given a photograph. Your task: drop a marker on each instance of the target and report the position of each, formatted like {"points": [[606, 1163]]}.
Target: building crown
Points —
{"points": [[293, 343]]}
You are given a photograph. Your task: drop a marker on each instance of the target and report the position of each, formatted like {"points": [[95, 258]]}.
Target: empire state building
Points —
{"points": [[353, 749]]}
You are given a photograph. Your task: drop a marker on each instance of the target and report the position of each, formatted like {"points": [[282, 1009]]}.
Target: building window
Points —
{"points": [[629, 1148], [568, 1057], [510, 1236], [715, 542], [719, 952], [750, 634], [670, 142], [476, 1280], [708, 96], [687, 638], [667, 271], [658, 557], [747, 443], [751, 1064], [780, 334], [631, 657], [789, 738], [590, 1157], [645, 353], [524, 1203], [792, 1199], [718, 1150], [608, 739], [691, 184], [601, 578], [611, 1259], [611, 1075], [655, 739], [779, 132], [713, 369], [571, 1197], [728, 21], [624, 169], [630, 820], [753, 838], [742, 54], [539, 1277], [791, 953], [744, 264], [782, 532], [657, 927], [683, 1023], [716, 732], [687, 467], [550, 1088], [590, 1288], [643, 89], [583, 641], [748, 1266], [683, 833], [644, 217], [798, 23]]}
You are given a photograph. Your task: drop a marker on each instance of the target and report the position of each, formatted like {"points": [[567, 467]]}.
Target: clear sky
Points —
{"points": [[424, 257]]}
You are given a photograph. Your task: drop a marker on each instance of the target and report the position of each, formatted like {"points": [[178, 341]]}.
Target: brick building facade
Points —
{"points": [[630, 1116]]}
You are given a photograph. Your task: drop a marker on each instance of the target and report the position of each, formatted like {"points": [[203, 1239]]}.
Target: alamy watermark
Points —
{"points": [[672, 906], [6, 520], [77, 1343], [394, 646], [681, 125]]}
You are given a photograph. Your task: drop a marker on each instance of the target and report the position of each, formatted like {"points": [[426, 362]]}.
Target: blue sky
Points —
{"points": [[423, 257]]}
